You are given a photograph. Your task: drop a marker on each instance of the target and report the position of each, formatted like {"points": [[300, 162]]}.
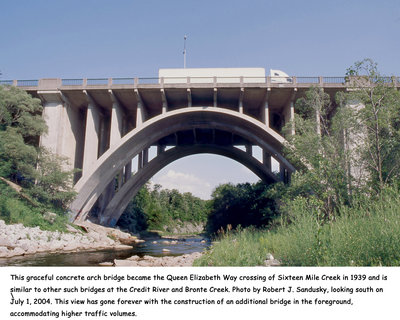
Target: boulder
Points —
{"points": [[50, 217]]}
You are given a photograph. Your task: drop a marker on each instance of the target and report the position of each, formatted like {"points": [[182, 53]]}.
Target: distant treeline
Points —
{"points": [[243, 204]]}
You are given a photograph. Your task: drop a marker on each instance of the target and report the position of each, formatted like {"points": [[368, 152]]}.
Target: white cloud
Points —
{"points": [[184, 182]]}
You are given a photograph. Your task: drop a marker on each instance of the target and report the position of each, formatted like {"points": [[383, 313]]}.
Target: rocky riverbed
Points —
{"points": [[185, 260], [17, 240]]}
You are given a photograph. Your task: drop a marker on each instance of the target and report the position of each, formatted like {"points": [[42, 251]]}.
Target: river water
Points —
{"points": [[183, 246]]}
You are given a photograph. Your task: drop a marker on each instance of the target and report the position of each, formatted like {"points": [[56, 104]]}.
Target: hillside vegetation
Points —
{"points": [[342, 207], [40, 183]]}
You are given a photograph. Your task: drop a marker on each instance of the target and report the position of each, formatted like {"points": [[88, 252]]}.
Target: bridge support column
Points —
{"points": [[64, 128], [189, 98], [164, 102], [92, 132], [140, 110], [282, 172], [267, 160], [145, 156], [265, 110], [160, 149], [117, 121], [249, 149], [289, 112], [241, 100], [128, 171]]}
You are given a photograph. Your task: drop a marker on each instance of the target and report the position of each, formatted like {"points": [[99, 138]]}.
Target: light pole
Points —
{"points": [[184, 51]]}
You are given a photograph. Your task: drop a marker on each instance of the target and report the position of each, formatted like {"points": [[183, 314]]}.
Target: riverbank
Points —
{"points": [[17, 240], [185, 260]]}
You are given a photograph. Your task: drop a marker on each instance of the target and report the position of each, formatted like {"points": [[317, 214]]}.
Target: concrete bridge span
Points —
{"points": [[100, 125], [203, 130]]}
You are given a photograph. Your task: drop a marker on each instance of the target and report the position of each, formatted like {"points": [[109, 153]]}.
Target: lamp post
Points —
{"points": [[184, 51]]}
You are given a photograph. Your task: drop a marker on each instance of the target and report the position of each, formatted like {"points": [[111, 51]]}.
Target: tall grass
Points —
{"points": [[14, 209], [243, 247], [366, 234]]}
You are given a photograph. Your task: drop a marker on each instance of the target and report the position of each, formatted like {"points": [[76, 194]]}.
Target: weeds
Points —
{"points": [[366, 234]]}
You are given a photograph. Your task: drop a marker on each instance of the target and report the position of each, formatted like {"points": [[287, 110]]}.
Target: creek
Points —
{"points": [[151, 247]]}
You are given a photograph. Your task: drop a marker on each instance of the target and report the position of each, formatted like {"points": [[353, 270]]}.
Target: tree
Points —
{"points": [[21, 124], [378, 112], [40, 172], [318, 149]]}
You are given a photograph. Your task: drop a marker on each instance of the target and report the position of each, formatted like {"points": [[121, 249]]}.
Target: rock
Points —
{"points": [[17, 252], [5, 242], [134, 258], [4, 252], [106, 264], [271, 261], [166, 250], [72, 229], [270, 256], [50, 217]]}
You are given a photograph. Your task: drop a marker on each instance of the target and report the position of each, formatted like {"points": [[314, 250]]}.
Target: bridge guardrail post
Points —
{"points": [[321, 81]]}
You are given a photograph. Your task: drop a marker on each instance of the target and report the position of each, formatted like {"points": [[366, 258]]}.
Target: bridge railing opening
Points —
{"points": [[6, 82], [307, 79], [27, 83], [148, 80], [97, 82], [72, 82], [334, 79], [123, 80]]}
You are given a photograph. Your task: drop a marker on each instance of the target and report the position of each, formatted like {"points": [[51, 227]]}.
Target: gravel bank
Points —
{"points": [[17, 240]]}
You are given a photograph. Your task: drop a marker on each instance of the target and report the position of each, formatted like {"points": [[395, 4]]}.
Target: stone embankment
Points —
{"points": [[17, 240]]}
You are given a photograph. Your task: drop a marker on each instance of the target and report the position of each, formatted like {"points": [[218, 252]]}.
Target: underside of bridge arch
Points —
{"points": [[194, 130], [121, 199]]}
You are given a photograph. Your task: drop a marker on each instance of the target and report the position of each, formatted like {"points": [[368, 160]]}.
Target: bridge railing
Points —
{"points": [[97, 82], [27, 83], [71, 82], [307, 80], [6, 82], [189, 80], [334, 80], [123, 81]]}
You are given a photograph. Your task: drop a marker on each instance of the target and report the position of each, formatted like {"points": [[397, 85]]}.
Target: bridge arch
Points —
{"points": [[120, 201], [93, 183]]}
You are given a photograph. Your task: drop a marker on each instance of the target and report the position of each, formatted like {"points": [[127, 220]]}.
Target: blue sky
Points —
{"points": [[122, 38]]}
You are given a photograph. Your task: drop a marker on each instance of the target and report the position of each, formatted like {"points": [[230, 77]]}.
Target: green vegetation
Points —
{"points": [[45, 186], [163, 210], [16, 209], [366, 234], [342, 207], [242, 205]]}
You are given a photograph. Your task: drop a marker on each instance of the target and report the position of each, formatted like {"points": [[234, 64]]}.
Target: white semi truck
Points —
{"points": [[221, 75]]}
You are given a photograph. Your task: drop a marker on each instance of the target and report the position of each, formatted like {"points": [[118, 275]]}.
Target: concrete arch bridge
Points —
{"points": [[100, 125]]}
